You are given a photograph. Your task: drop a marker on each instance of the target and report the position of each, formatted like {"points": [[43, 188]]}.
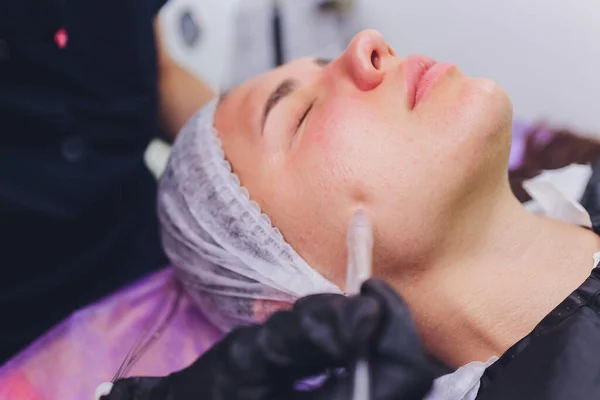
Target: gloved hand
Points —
{"points": [[321, 333]]}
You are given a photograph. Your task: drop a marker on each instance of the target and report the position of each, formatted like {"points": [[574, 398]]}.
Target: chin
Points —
{"points": [[485, 126], [490, 107]]}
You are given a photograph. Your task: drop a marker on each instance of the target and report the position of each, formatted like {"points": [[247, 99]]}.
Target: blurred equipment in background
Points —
{"points": [[198, 35], [277, 34], [269, 33], [229, 41], [339, 6], [190, 30]]}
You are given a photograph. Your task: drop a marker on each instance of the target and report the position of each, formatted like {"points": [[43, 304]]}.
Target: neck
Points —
{"points": [[496, 276]]}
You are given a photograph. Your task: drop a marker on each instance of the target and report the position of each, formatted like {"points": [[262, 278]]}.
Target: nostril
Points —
{"points": [[375, 60], [391, 51]]}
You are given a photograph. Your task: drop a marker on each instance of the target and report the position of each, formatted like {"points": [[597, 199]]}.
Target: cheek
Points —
{"points": [[341, 143], [326, 132], [314, 195], [341, 117]]}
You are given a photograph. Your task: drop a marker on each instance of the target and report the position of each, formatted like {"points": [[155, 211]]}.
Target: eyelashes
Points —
{"points": [[304, 115]]}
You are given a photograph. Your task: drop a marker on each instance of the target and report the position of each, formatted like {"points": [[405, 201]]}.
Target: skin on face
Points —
{"points": [[346, 135]]}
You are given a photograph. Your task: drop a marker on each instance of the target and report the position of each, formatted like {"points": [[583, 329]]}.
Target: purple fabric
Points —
{"points": [[518, 144], [521, 129], [86, 349]]}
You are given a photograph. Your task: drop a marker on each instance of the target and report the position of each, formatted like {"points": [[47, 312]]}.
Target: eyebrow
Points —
{"points": [[321, 62], [285, 88]]}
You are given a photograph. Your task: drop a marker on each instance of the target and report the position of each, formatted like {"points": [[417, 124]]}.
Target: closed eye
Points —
{"points": [[304, 115]]}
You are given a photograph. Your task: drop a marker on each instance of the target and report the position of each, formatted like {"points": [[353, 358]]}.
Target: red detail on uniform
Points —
{"points": [[61, 38]]}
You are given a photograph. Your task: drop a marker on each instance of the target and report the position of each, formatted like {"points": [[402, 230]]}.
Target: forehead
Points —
{"points": [[244, 103]]}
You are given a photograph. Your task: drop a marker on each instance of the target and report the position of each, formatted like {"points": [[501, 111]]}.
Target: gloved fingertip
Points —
{"points": [[241, 348], [381, 291], [374, 285], [363, 315], [315, 302]]}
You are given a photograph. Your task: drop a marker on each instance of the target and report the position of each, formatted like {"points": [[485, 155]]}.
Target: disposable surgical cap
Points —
{"points": [[232, 261]]}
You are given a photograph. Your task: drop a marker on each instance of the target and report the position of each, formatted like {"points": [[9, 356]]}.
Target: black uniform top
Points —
{"points": [[78, 106], [560, 359]]}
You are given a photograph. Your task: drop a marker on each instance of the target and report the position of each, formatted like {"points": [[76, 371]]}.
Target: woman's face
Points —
{"points": [[410, 140]]}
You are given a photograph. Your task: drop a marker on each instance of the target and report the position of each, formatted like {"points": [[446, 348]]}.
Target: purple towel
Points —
{"points": [[86, 349]]}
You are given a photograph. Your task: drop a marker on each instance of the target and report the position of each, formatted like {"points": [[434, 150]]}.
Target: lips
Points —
{"points": [[421, 74]]}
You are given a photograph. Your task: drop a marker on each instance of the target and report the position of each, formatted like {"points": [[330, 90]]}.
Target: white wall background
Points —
{"points": [[546, 53]]}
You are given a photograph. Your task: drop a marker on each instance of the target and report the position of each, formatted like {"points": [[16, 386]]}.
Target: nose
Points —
{"points": [[366, 58]]}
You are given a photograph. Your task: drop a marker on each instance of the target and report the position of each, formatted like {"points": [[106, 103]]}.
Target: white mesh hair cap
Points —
{"points": [[226, 252]]}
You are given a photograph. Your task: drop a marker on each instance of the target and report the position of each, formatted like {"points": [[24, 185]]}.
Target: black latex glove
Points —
{"points": [[321, 333]]}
